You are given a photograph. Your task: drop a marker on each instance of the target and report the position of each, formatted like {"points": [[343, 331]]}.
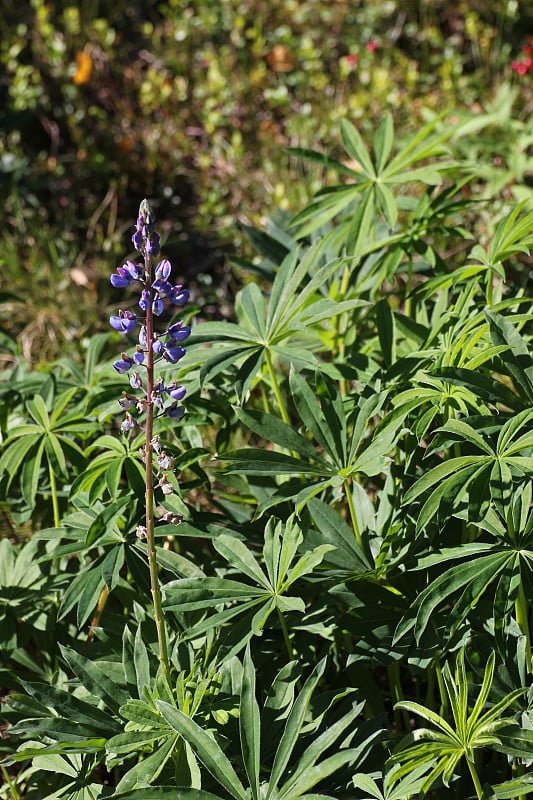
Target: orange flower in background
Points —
{"points": [[84, 68], [280, 59]]}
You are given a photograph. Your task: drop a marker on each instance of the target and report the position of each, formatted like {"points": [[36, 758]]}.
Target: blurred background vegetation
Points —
{"points": [[195, 104]]}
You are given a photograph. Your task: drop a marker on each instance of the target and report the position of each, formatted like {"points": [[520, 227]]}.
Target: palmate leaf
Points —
{"points": [[33, 451], [254, 602], [473, 728], [474, 477], [370, 188], [287, 326]]}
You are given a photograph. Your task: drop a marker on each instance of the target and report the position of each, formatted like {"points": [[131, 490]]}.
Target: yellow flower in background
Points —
{"points": [[84, 68]]}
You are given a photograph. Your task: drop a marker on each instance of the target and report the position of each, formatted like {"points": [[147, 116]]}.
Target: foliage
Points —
{"points": [[340, 555]]}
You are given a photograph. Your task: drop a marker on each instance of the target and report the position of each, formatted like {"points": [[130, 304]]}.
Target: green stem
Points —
{"points": [[264, 398], [401, 717], [275, 386], [13, 789], [475, 778], [149, 496], [442, 690], [286, 636], [522, 619], [409, 288], [351, 507], [53, 492]]}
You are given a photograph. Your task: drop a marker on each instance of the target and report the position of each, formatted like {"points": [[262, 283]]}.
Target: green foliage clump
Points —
{"points": [[346, 560]]}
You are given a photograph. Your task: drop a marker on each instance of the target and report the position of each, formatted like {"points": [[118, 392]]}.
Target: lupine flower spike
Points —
{"points": [[153, 398]]}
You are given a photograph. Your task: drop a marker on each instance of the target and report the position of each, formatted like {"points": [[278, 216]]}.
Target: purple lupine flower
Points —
{"points": [[138, 240], [123, 364], [138, 356], [127, 401], [121, 278], [124, 322], [179, 295], [136, 381], [175, 411], [165, 461], [162, 287], [173, 354], [128, 423], [179, 331], [135, 270], [144, 300], [152, 244], [163, 269], [156, 290], [176, 392], [158, 307]]}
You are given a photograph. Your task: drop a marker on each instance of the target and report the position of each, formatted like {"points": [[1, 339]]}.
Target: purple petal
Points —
{"points": [[163, 269], [181, 334], [122, 365], [119, 282], [173, 354], [179, 295], [178, 393]]}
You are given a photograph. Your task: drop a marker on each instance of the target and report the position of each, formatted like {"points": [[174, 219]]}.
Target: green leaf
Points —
{"points": [[165, 793], [67, 705], [206, 748], [356, 148], [193, 594], [332, 529], [150, 767], [361, 223], [240, 558], [517, 358], [96, 678], [383, 141], [38, 411], [250, 307], [249, 722], [310, 412], [269, 462], [293, 727], [273, 429], [141, 663]]}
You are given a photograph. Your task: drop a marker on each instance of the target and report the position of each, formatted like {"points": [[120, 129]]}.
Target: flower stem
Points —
{"points": [[149, 496]]}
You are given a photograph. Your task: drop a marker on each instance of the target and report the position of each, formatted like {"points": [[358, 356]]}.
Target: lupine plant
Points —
{"points": [[317, 583], [152, 397]]}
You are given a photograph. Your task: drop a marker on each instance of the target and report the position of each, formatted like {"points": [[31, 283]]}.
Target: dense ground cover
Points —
{"points": [[296, 559]]}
